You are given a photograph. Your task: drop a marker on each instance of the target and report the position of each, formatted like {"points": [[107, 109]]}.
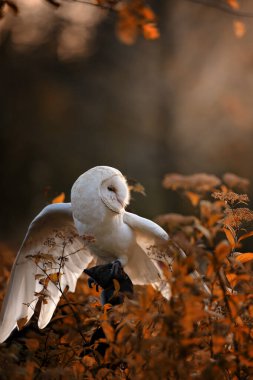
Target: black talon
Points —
{"points": [[92, 282], [117, 269], [103, 276]]}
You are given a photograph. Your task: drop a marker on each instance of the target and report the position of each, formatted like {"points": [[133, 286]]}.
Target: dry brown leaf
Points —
{"points": [[22, 322], [55, 277]]}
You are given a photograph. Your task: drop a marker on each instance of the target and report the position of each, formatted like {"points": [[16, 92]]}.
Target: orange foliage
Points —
{"points": [[234, 4], [239, 29], [193, 335], [59, 199], [134, 17]]}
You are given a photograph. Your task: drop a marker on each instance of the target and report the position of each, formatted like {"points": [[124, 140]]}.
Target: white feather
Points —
{"points": [[52, 232], [98, 200]]}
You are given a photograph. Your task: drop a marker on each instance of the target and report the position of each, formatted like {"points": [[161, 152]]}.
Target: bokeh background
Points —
{"points": [[73, 96]]}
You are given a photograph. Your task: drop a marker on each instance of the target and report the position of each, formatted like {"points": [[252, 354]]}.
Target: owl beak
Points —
{"points": [[121, 202]]}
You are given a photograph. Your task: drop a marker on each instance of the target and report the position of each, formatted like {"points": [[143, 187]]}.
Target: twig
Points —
{"points": [[225, 298], [195, 274]]}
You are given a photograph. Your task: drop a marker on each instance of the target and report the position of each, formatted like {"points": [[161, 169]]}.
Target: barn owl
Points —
{"points": [[64, 238]]}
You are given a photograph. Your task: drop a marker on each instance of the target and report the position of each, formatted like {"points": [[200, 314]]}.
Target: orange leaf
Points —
{"points": [[222, 250], [250, 310], [32, 344], [30, 368], [108, 330], [22, 322], [245, 236], [123, 334], [89, 361], [194, 198], [239, 29], [78, 368], [233, 4], [150, 31], [59, 199], [147, 13], [231, 277], [244, 257], [246, 361], [55, 277], [218, 343], [230, 235], [234, 278]]}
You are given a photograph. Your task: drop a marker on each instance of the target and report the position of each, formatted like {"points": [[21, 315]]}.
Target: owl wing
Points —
{"points": [[51, 257], [147, 234], [140, 268]]}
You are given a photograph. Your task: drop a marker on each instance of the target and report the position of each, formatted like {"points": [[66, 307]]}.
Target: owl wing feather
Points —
{"points": [[51, 257], [141, 268]]}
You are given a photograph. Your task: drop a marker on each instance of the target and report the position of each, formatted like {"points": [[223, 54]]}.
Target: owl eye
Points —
{"points": [[111, 188]]}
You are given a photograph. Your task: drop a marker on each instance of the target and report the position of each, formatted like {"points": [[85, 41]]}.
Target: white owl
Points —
{"points": [[55, 250]]}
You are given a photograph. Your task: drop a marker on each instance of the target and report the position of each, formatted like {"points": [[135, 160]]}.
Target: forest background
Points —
{"points": [[150, 88], [73, 96]]}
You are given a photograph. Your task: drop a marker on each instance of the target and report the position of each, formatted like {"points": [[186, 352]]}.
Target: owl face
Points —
{"points": [[114, 193]]}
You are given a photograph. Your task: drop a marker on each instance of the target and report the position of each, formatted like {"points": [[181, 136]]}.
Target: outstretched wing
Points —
{"points": [[147, 232], [140, 268], [51, 257]]}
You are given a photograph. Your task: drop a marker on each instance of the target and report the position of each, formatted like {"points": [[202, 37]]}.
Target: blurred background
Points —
{"points": [[73, 96]]}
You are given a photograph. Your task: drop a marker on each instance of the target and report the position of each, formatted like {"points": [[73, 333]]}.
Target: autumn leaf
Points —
{"points": [[244, 257], [123, 334], [59, 199], [222, 250], [218, 343], [78, 368], [55, 277], [234, 4], [89, 361], [150, 31], [147, 13], [44, 281], [245, 236], [234, 278], [108, 330], [194, 198], [30, 368], [32, 344], [22, 322], [239, 29], [230, 235]]}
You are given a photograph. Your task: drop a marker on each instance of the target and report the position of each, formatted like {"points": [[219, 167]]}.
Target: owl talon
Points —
{"points": [[117, 269], [92, 282]]}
